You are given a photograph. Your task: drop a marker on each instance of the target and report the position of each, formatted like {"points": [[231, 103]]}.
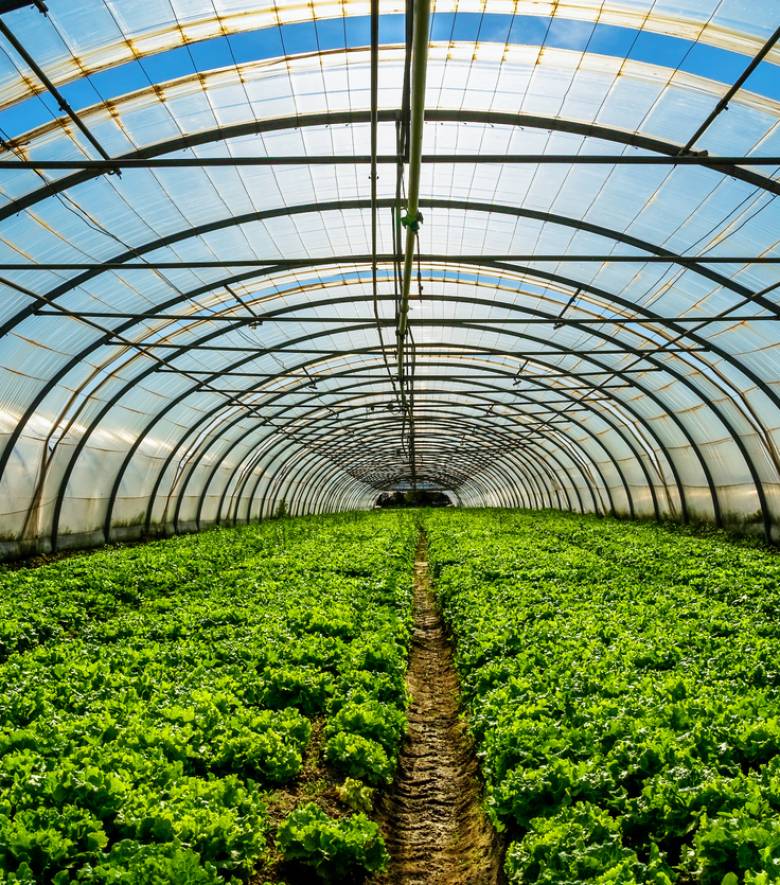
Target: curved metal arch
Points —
{"points": [[249, 466], [255, 456], [640, 317], [515, 308], [287, 454], [497, 472], [671, 462], [496, 468], [303, 492], [668, 369], [280, 473], [330, 492], [241, 465], [238, 489], [660, 404], [547, 452], [729, 358], [384, 203], [608, 420], [497, 490], [643, 316], [490, 489], [647, 392], [342, 485], [58, 291], [336, 118], [639, 418], [314, 463], [740, 367], [576, 446], [272, 451], [482, 399], [732, 360], [505, 305], [310, 501], [451, 418], [324, 468], [628, 408], [281, 394], [508, 489]]}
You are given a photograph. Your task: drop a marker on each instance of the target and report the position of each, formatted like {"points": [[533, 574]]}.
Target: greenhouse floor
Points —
{"points": [[436, 829], [440, 696]]}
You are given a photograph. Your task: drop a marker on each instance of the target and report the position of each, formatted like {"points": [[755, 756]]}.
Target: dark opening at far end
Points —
{"points": [[413, 498]]}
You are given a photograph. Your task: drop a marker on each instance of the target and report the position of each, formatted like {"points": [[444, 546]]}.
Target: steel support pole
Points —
{"points": [[422, 12]]}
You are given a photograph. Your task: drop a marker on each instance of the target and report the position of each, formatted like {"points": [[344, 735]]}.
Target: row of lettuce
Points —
{"points": [[622, 682], [159, 704]]}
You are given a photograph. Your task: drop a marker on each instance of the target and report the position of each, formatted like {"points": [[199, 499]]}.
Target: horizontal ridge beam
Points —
{"points": [[288, 263], [391, 159]]}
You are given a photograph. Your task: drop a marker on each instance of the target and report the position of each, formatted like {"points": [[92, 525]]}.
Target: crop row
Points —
{"points": [[158, 703], [622, 682]]}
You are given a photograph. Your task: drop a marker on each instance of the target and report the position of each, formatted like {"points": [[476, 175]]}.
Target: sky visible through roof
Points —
{"points": [[700, 59]]}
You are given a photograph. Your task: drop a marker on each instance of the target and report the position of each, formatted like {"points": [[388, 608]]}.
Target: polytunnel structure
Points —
{"points": [[521, 252]]}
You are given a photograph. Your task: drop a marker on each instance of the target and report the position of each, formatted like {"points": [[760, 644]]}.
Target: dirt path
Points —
{"points": [[434, 826]]}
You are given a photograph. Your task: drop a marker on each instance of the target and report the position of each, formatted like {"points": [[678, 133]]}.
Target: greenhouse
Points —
{"points": [[390, 441]]}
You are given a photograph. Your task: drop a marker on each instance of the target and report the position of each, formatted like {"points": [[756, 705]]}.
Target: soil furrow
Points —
{"points": [[434, 825]]}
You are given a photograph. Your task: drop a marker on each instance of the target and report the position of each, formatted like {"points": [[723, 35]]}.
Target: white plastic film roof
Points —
{"points": [[195, 339]]}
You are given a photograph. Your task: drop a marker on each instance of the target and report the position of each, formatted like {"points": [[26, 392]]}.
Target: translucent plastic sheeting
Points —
{"points": [[86, 41], [168, 398]]}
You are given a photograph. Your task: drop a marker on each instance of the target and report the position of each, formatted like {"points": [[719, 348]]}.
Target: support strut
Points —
{"points": [[412, 219]]}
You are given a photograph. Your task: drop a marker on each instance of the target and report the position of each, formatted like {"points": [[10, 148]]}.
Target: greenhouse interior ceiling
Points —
{"points": [[260, 256]]}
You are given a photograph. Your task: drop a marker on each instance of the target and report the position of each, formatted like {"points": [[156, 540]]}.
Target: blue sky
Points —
{"points": [[714, 63]]}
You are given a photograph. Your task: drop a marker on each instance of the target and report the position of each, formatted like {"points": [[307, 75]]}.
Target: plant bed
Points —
{"points": [[165, 707], [622, 683]]}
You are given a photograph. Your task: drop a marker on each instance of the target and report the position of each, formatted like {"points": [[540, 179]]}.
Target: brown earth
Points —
{"points": [[432, 819]]}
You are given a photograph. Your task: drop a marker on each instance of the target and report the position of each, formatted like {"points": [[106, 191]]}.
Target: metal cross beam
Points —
{"points": [[723, 104], [291, 263], [388, 115], [387, 159], [263, 351], [259, 319], [381, 376]]}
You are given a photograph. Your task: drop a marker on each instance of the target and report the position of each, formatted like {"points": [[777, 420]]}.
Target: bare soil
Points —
{"points": [[432, 818]]}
